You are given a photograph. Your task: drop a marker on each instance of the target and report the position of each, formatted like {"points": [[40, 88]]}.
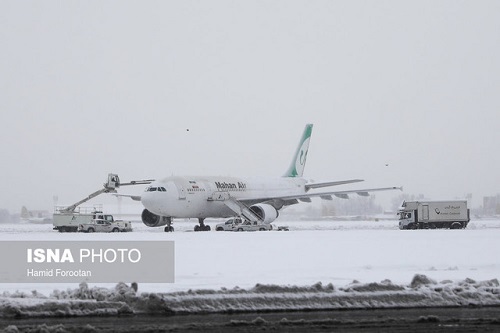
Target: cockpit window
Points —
{"points": [[155, 189]]}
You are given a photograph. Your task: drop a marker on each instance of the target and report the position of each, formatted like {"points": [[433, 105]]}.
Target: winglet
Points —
{"points": [[296, 168]]}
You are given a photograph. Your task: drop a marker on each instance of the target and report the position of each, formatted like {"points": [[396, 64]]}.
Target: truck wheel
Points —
{"points": [[456, 225], [432, 226], [262, 229], [91, 230], [116, 230], [239, 229], [220, 229]]}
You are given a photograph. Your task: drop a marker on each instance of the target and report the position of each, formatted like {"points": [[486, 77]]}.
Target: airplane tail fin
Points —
{"points": [[24, 213], [296, 168]]}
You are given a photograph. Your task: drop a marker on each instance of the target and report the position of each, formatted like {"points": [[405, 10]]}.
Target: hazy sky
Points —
{"points": [[91, 87]]}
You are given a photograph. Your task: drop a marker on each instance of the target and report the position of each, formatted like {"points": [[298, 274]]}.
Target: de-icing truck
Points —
{"points": [[434, 214]]}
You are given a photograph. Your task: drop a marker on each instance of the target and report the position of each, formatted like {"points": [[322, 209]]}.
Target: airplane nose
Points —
{"points": [[147, 200]]}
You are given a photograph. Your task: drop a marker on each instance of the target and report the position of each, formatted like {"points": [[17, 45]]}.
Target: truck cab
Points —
{"points": [[406, 219], [104, 218]]}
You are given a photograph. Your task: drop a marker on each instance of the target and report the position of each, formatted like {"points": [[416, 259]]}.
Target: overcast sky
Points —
{"points": [[399, 92]]}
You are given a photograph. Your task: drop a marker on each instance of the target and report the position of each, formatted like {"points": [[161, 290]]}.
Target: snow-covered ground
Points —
{"points": [[352, 263]]}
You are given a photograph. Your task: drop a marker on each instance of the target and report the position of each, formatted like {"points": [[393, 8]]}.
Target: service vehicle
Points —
{"points": [[105, 223], [452, 214], [253, 226], [69, 219], [229, 225], [86, 218], [234, 224]]}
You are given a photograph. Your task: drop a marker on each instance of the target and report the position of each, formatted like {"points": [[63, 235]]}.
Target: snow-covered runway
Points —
{"points": [[318, 265], [312, 251]]}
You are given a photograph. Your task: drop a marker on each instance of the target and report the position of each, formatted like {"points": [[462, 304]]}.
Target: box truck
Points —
{"points": [[434, 214]]}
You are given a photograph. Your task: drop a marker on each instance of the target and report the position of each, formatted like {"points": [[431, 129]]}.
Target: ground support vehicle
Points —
{"points": [[253, 226], [452, 214], [87, 218], [68, 219], [238, 224], [282, 228], [105, 223], [229, 225]]}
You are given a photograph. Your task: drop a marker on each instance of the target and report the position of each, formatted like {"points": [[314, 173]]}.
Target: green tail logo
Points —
{"points": [[296, 168]]}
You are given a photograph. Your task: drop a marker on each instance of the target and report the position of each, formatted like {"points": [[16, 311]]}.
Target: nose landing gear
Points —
{"points": [[168, 227]]}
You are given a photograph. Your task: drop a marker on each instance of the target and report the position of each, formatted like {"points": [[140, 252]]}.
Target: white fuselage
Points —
{"points": [[196, 197]]}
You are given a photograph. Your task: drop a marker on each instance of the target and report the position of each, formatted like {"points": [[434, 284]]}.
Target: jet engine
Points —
{"points": [[152, 220], [265, 212]]}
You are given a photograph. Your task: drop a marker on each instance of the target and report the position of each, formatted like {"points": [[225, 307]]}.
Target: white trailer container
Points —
{"points": [[64, 221], [434, 214]]}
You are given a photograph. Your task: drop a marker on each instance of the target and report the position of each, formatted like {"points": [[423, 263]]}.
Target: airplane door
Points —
{"points": [[181, 190], [98, 226]]}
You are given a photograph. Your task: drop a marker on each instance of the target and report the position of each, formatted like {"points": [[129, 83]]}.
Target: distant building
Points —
{"points": [[491, 205]]}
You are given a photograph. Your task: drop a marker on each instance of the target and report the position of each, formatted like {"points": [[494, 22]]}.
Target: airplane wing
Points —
{"points": [[133, 197], [293, 199], [309, 186]]}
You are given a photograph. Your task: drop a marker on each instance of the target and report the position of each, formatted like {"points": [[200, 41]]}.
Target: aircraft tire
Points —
{"points": [[207, 228]]}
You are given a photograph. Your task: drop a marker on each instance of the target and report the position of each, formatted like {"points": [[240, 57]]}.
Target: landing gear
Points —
{"points": [[202, 226], [168, 227]]}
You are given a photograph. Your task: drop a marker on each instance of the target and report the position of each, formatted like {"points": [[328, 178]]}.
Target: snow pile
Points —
{"points": [[124, 300]]}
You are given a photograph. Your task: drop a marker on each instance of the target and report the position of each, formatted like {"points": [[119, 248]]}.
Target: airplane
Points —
{"points": [[35, 216], [255, 199]]}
